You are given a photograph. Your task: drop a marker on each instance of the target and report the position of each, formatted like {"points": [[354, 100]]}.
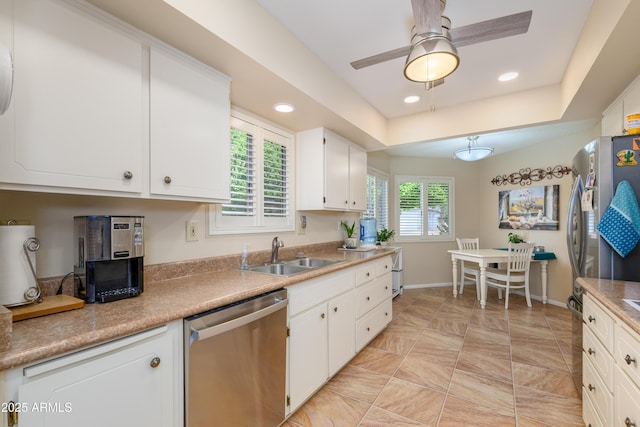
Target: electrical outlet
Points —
{"points": [[193, 231], [301, 225]]}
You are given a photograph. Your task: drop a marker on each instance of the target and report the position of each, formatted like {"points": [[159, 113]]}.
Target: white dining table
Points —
{"points": [[484, 257]]}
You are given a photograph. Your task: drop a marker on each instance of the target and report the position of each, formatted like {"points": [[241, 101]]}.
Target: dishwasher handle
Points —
{"points": [[201, 334]]}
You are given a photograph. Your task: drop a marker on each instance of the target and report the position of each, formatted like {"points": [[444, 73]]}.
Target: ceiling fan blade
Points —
{"points": [[381, 57], [492, 29], [427, 15]]}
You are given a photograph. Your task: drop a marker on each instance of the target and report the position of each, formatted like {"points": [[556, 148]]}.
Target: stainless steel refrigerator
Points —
{"points": [[597, 169]]}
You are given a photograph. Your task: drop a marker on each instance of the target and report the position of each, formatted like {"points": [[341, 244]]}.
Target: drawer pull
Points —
{"points": [[368, 298], [368, 329], [386, 313], [155, 362], [628, 423], [591, 388], [591, 319], [591, 351], [127, 175], [335, 309], [368, 274], [167, 180], [322, 316], [386, 287], [629, 359]]}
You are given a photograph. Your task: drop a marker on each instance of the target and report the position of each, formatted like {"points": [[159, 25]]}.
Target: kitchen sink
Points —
{"points": [[311, 262], [292, 267]]}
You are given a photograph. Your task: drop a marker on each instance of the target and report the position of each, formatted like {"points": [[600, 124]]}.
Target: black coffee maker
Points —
{"points": [[109, 253]]}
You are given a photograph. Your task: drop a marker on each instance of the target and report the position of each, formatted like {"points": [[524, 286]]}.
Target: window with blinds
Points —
{"points": [[242, 177], [425, 208], [261, 174], [378, 198]]}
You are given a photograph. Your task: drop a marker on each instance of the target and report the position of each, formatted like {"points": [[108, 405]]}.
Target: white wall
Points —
{"points": [[165, 227]]}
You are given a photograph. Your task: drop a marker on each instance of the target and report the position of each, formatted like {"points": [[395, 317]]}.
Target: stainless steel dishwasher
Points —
{"points": [[235, 363]]}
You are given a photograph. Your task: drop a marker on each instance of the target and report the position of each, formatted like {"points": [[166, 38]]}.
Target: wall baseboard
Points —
{"points": [[450, 284]]}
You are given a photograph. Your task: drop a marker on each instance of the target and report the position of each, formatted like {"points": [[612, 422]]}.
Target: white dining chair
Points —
{"points": [[516, 275], [469, 272]]}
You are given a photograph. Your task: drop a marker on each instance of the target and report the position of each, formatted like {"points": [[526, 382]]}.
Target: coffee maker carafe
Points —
{"points": [[109, 253]]}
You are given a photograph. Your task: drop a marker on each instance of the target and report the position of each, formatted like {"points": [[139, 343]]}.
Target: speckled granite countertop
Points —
{"points": [[161, 302], [612, 293]]}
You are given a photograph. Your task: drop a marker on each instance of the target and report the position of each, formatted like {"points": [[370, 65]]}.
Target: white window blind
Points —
{"points": [[261, 174], [425, 208], [378, 198], [243, 194]]}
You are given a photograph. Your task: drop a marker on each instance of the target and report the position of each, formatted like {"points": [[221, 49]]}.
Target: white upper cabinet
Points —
{"points": [[331, 172], [614, 118], [189, 128], [75, 119], [102, 108]]}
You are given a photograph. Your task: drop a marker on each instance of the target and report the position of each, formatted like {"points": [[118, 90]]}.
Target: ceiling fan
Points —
{"points": [[433, 54]]}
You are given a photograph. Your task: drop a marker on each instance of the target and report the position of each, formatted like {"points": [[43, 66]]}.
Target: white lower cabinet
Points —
{"points": [[308, 353], [611, 376], [133, 381], [330, 319], [342, 322]]}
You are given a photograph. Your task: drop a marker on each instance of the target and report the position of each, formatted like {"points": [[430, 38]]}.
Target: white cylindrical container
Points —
{"points": [[15, 274]]}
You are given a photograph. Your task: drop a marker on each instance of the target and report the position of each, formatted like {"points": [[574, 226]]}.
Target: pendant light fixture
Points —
{"points": [[473, 152]]}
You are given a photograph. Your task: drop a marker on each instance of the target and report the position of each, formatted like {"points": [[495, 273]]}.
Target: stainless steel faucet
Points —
{"points": [[275, 245]]}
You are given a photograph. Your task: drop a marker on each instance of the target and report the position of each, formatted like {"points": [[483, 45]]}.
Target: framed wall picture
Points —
{"points": [[531, 208]]}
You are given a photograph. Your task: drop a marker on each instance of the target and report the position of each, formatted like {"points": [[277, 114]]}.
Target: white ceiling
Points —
{"points": [[573, 62], [341, 31]]}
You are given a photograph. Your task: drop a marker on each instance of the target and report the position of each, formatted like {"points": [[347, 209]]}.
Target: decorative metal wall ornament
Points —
{"points": [[527, 175]]}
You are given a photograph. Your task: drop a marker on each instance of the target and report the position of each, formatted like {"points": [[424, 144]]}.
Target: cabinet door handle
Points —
{"points": [[368, 274], [127, 175], [386, 287], [629, 359], [335, 309], [354, 203], [628, 423], [591, 388], [346, 202], [368, 329], [155, 362], [368, 298], [591, 351], [591, 319], [322, 316], [167, 180], [386, 313]]}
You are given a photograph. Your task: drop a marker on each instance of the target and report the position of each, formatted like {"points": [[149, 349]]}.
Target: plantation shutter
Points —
{"points": [[243, 195], [276, 193], [411, 209]]}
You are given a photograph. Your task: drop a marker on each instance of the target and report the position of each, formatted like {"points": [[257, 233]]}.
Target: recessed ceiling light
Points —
{"points": [[284, 108], [411, 99], [508, 76]]}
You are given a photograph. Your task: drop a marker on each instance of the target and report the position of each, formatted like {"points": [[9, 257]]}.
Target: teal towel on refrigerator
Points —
{"points": [[620, 224]]}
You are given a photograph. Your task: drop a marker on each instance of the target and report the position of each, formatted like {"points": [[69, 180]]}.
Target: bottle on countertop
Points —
{"points": [[243, 264]]}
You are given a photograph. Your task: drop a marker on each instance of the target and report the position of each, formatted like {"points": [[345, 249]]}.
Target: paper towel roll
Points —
{"points": [[15, 274]]}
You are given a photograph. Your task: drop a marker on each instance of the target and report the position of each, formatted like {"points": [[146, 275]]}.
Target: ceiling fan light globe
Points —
{"points": [[430, 59]]}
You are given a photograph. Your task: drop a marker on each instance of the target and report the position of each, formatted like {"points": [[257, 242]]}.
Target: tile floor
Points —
{"points": [[443, 361]]}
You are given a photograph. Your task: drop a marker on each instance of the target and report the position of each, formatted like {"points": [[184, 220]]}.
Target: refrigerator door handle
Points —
{"points": [[574, 200]]}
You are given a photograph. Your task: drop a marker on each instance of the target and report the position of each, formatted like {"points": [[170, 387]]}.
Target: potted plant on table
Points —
{"points": [[350, 242], [514, 238], [384, 235]]}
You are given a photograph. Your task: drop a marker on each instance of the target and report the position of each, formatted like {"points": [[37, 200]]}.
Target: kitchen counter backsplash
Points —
{"points": [[174, 270]]}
